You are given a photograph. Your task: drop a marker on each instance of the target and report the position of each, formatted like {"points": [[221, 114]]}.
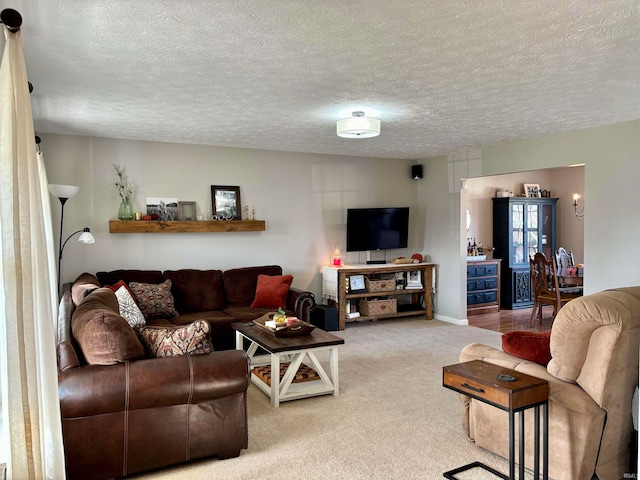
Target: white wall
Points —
{"points": [[568, 181], [562, 182], [302, 197], [611, 156]]}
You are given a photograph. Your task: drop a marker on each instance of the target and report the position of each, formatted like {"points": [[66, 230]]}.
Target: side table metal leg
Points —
{"points": [[536, 442], [545, 441], [512, 445], [521, 447]]}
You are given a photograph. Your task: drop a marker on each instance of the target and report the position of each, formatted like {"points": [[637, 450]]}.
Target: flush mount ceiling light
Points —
{"points": [[358, 126]]}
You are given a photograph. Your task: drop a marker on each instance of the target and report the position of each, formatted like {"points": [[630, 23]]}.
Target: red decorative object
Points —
{"points": [[271, 291], [532, 346], [417, 256]]}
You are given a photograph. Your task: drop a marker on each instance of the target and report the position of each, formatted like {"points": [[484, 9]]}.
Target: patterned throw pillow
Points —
{"points": [[128, 308], [154, 299], [192, 339]]}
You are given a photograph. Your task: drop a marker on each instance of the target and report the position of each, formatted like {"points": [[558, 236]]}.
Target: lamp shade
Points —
{"points": [[63, 191], [86, 236], [358, 126]]}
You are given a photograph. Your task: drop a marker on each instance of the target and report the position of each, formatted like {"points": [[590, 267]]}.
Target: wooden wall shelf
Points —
{"points": [[185, 226]]}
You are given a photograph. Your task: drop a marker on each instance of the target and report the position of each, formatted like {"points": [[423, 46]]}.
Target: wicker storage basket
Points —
{"points": [[378, 306], [383, 285]]}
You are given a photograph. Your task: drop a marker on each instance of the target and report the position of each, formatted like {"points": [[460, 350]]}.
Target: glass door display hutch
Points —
{"points": [[521, 228]]}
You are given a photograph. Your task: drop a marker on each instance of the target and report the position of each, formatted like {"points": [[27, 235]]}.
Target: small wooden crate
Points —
{"points": [[384, 285], [378, 306]]}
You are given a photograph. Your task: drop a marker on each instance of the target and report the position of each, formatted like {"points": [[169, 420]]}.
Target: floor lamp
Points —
{"points": [[64, 193]]}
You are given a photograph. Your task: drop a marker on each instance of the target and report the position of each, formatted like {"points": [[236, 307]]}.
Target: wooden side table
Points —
{"points": [[513, 392]]}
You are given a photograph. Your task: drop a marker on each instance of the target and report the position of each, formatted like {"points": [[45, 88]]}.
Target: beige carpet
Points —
{"points": [[392, 419]]}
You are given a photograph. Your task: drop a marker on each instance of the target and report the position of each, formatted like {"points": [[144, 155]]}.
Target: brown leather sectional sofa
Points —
{"points": [[139, 413], [220, 297]]}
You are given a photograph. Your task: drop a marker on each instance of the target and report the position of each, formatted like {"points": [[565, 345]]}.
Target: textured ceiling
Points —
{"points": [[441, 75]]}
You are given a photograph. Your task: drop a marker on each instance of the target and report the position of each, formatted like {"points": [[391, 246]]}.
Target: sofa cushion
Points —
{"points": [[128, 276], [128, 308], [240, 283], [196, 290], [218, 320], [83, 286], [104, 337], [192, 339], [271, 291], [154, 300], [533, 346]]}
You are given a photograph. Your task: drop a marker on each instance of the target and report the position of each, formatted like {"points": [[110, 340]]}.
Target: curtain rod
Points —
{"points": [[11, 18]]}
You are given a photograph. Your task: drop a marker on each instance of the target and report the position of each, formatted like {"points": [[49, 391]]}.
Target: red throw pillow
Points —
{"points": [[532, 346], [271, 291], [121, 283]]}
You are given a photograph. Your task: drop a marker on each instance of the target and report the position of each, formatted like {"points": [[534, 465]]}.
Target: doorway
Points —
{"points": [[477, 209]]}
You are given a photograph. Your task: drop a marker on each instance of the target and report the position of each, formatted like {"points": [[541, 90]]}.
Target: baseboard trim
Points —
{"points": [[455, 321]]}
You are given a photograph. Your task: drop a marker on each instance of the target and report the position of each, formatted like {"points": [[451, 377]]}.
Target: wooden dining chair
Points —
{"points": [[564, 260], [544, 284]]}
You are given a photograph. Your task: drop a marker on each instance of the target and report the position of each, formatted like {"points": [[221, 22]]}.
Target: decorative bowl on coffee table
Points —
{"points": [[299, 327]]}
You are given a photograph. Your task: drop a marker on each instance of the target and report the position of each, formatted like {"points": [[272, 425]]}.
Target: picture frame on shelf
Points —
{"points": [[166, 208], [356, 284], [414, 279], [186, 210], [225, 202], [532, 190]]}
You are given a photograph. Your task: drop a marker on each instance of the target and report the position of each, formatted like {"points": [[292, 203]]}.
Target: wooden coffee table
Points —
{"points": [[507, 390], [286, 355]]}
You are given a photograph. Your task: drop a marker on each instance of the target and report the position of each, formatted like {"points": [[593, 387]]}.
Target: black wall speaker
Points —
{"points": [[416, 172], [325, 317]]}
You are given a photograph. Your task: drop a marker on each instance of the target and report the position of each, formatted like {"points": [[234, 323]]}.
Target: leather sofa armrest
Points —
{"points": [[65, 312], [302, 303], [68, 354], [152, 383], [67, 357]]}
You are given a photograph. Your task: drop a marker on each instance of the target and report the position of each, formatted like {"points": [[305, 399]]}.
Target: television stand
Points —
{"points": [[336, 287], [376, 262]]}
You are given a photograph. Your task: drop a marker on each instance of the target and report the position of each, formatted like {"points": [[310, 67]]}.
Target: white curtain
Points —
{"points": [[32, 433]]}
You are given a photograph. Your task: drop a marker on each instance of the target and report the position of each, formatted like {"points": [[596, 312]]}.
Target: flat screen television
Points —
{"points": [[377, 228]]}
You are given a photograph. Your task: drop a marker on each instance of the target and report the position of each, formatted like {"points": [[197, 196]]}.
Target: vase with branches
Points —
{"points": [[125, 191]]}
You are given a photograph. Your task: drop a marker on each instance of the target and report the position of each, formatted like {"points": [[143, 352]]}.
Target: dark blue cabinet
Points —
{"points": [[483, 287], [521, 228]]}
